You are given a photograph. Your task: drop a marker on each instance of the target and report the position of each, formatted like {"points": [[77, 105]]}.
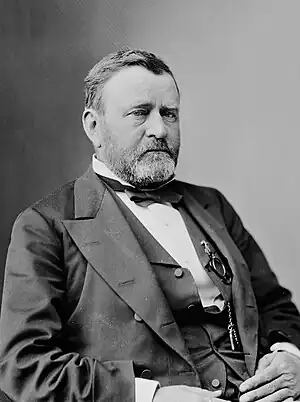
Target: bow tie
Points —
{"points": [[164, 194]]}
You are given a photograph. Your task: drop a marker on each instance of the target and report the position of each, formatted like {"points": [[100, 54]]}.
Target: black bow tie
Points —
{"points": [[164, 194]]}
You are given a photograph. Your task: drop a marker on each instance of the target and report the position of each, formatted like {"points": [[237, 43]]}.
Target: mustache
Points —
{"points": [[158, 145]]}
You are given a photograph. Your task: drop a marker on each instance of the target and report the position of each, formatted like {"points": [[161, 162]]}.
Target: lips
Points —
{"points": [[157, 150]]}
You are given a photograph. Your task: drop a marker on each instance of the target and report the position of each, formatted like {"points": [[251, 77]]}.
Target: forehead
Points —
{"points": [[134, 85]]}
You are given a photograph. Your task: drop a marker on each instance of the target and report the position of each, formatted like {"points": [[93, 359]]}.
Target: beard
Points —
{"points": [[148, 166]]}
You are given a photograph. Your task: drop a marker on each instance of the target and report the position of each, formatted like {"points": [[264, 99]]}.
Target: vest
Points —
{"points": [[204, 331]]}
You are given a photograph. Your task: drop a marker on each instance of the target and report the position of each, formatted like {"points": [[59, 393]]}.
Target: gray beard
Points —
{"points": [[152, 170]]}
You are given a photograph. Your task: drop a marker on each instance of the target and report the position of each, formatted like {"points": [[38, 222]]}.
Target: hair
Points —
{"points": [[113, 63]]}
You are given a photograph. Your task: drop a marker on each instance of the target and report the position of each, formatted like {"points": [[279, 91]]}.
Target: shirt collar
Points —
{"points": [[101, 169]]}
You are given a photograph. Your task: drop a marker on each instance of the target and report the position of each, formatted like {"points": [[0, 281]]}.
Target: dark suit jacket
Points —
{"points": [[82, 312]]}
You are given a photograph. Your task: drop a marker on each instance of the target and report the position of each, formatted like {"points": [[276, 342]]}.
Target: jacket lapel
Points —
{"points": [[242, 294], [105, 239]]}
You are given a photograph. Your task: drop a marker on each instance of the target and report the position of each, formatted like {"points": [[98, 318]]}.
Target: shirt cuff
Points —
{"points": [[286, 347], [145, 389]]}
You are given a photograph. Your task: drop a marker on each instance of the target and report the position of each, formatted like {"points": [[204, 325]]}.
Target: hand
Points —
{"points": [[183, 393], [277, 378]]}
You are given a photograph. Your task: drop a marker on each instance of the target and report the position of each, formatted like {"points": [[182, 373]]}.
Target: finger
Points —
{"points": [[280, 395], [265, 390], [264, 362], [260, 378]]}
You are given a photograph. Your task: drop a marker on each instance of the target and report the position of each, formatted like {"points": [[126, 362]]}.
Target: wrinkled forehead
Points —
{"points": [[135, 85]]}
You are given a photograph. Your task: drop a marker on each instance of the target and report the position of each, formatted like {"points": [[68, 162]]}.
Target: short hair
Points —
{"points": [[114, 62]]}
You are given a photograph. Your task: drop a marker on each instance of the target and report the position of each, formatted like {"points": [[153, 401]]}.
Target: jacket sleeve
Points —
{"points": [[279, 317], [32, 365]]}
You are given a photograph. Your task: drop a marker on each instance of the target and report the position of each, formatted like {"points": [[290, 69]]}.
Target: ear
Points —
{"points": [[91, 122]]}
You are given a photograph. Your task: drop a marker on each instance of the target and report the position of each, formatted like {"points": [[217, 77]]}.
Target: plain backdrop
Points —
{"points": [[237, 63]]}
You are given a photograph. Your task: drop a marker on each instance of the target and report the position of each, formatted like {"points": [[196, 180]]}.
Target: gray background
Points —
{"points": [[237, 63]]}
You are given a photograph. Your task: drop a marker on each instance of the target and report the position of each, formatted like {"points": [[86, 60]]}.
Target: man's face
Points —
{"points": [[140, 127]]}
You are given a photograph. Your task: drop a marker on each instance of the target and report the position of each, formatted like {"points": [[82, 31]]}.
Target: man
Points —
{"points": [[127, 284]]}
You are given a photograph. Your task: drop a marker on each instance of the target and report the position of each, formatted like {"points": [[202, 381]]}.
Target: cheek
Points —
{"points": [[174, 134], [131, 138], [124, 135]]}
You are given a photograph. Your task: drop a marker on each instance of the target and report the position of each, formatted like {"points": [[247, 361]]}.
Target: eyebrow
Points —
{"points": [[149, 105], [145, 105]]}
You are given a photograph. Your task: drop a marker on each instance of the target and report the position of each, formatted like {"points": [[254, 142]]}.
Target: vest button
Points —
{"points": [[264, 342], [137, 317], [191, 307], [215, 383], [147, 374], [178, 272]]}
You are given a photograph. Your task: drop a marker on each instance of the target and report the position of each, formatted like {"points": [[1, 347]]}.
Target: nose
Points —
{"points": [[156, 126]]}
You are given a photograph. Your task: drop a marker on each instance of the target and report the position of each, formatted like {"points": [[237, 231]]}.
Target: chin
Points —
{"points": [[154, 175]]}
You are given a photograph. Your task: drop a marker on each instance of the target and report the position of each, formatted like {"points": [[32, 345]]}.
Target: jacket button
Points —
{"points": [[147, 374], [178, 272], [137, 317], [215, 383]]}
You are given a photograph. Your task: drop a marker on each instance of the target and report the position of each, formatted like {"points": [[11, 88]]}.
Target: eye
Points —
{"points": [[140, 112], [170, 115]]}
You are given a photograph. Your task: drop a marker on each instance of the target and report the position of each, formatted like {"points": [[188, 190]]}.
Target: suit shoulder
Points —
{"points": [[58, 204], [205, 193]]}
